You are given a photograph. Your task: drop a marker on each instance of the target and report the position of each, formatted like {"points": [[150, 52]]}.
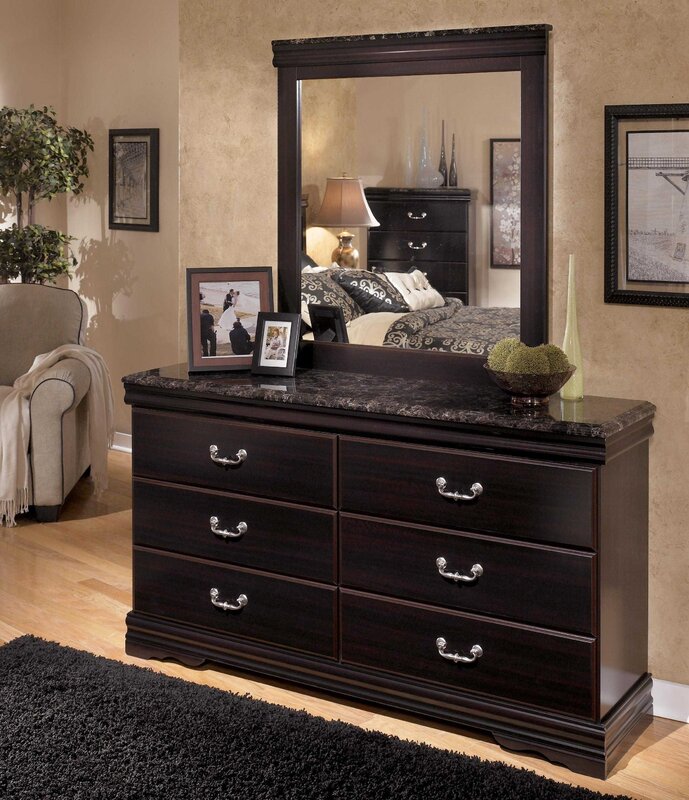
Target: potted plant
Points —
{"points": [[38, 160]]}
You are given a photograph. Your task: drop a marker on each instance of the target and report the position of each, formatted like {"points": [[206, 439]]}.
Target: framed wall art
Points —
{"points": [[223, 308], [277, 339], [133, 173], [505, 199], [647, 204]]}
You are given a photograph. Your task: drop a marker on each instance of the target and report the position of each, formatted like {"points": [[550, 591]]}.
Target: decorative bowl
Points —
{"points": [[527, 389]]}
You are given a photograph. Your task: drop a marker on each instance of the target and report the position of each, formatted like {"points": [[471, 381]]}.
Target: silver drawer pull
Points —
{"points": [[413, 246], [422, 215], [476, 652], [238, 605], [476, 490], [242, 528], [227, 462], [476, 572]]}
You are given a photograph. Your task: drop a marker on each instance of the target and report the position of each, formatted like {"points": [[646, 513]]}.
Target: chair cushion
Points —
{"points": [[35, 319]]}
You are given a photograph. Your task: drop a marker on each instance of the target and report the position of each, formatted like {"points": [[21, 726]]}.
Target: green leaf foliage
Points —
{"points": [[35, 254], [38, 156]]}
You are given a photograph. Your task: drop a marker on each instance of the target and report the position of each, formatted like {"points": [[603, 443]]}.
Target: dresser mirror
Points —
{"points": [[377, 128], [486, 84]]}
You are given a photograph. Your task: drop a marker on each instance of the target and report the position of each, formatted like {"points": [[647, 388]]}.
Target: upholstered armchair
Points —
{"points": [[35, 319]]}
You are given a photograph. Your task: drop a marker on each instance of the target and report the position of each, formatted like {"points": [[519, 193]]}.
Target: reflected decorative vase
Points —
{"points": [[427, 176], [452, 181], [574, 388], [409, 162], [442, 166]]}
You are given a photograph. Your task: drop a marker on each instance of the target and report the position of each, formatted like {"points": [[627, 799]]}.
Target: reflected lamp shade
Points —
{"points": [[344, 206]]}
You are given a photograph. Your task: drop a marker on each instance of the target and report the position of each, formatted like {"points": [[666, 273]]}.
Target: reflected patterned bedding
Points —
{"points": [[454, 328]]}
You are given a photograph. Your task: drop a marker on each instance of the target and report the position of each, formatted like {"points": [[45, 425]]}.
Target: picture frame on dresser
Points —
{"points": [[328, 323], [505, 201], [223, 308], [133, 177], [647, 204], [277, 339]]}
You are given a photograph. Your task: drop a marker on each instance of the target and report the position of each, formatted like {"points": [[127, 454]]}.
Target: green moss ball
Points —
{"points": [[557, 359], [497, 359], [528, 361]]}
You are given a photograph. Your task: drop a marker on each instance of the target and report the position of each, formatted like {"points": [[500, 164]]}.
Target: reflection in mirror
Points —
{"points": [[374, 128]]}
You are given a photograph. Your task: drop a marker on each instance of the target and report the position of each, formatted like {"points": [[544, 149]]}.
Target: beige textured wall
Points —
{"points": [[621, 51], [31, 74], [108, 65], [122, 72], [328, 147], [475, 107]]}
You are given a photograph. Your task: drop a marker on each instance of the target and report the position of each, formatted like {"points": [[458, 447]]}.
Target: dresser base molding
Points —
{"points": [[588, 747]]}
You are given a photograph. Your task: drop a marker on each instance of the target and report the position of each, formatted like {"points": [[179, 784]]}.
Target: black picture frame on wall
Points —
{"points": [[647, 204], [133, 177]]}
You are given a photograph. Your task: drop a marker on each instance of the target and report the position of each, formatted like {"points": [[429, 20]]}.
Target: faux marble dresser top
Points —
{"points": [[478, 402]]}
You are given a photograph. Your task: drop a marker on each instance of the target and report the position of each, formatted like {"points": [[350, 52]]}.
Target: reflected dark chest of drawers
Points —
{"points": [[490, 574], [427, 229]]}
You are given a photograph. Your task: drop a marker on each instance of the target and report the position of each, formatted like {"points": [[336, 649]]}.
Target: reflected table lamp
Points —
{"points": [[344, 206]]}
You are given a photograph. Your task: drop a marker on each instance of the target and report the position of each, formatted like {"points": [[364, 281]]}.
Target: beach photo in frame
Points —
{"points": [[647, 204], [505, 200], [133, 174], [277, 340], [223, 309]]}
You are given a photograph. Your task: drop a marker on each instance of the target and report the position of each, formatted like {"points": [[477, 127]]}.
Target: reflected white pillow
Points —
{"points": [[417, 292]]}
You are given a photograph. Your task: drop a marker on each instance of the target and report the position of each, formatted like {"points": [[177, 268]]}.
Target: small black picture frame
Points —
{"points": [[277, 338], [327, 323], [133, 176]]}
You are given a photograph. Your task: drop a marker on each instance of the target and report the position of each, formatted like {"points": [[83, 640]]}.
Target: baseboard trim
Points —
{"points": [[671, 700], [123, 442]]}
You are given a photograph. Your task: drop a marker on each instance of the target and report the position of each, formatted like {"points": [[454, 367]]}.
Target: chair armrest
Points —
{"points": [[58, 449], [53, 398]]}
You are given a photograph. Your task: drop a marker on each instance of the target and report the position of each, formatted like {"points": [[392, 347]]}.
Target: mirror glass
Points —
{"points": [[374, 129]]}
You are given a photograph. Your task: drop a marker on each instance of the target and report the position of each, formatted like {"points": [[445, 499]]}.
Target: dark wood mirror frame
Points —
{"points": [[522, 49]]}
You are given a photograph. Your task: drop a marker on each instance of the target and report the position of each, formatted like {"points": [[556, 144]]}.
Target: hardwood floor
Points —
{"points": [[70, 582]]}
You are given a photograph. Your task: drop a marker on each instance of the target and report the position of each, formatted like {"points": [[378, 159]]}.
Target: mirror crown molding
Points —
{"points": [[509, 40]]}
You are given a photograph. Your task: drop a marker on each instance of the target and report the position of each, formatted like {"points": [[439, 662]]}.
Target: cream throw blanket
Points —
{"points": [[15, 427]]}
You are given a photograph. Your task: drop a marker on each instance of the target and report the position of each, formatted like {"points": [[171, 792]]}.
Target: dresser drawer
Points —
{"points": [[279, 463], [278, 611], [527, 583], [520, 664], [431, 246], [524, 499], [420, 214], [277, 537]]}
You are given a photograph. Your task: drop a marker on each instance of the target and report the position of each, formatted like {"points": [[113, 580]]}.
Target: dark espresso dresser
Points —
{"points": [[423, 228], [417, 545]]}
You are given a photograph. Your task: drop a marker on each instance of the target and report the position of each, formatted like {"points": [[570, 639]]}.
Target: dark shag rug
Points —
{"points": [[76, 726]]}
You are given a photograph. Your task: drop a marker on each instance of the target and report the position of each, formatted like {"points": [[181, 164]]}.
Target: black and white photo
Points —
{"points": [[647, 204], [133, 179]]}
